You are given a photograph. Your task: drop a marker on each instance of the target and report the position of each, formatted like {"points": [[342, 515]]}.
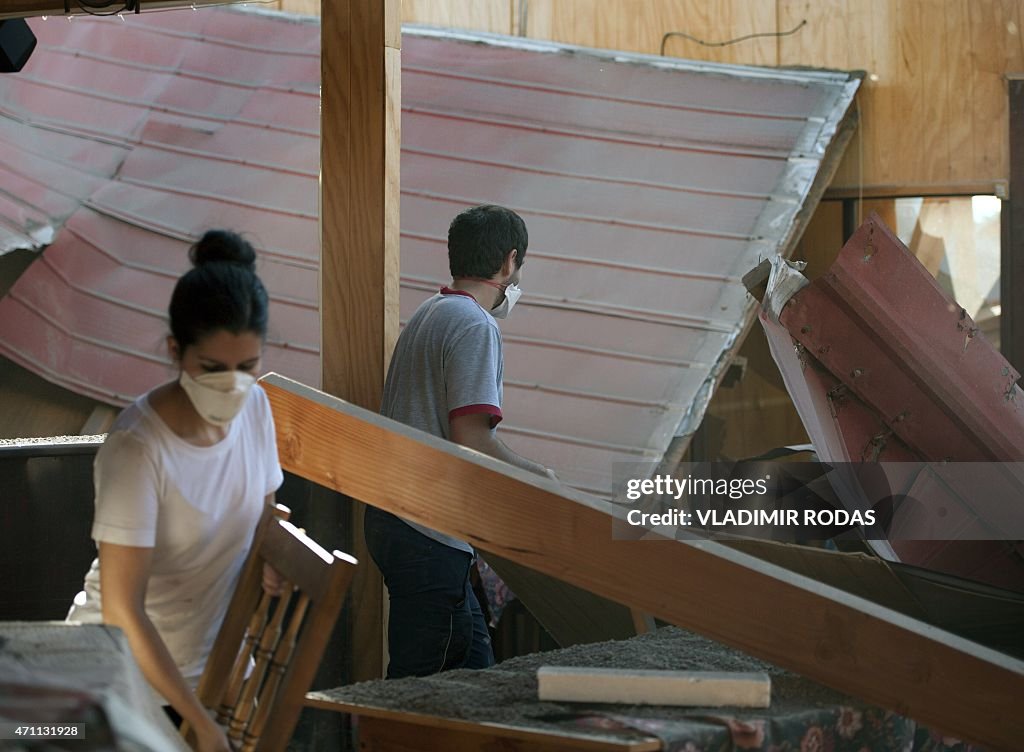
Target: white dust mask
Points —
{"points": [[219, 396], [512, 293]]}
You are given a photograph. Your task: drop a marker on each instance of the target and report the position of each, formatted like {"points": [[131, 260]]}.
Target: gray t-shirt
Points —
{"points": [[447, 363]]}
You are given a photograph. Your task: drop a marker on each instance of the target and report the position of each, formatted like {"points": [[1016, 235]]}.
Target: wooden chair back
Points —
{"points": [[268, 648]]}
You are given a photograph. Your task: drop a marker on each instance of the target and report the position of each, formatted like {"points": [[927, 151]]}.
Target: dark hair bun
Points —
{"points": [[222, 246]]}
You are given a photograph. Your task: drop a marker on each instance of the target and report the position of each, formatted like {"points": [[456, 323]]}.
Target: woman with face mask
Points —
{"points": [[182, 479]]}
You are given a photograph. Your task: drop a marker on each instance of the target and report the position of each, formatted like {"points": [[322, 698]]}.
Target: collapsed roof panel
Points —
{"points": [[649, 185], [884, 367]]}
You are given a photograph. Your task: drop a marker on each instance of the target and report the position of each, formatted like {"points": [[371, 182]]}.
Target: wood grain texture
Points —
{"points": [[390, 731], [495, 16], [654, 687], [757, 414], [1011, 265], [359, 208], [638, 26], [934, 119], [322, 580], [35, 407], [827, 635], [300, 7], [714, 23], [360, 120]]}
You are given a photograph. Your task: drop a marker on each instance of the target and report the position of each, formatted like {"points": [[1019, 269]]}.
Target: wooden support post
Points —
{"points": [[360, 141], [1011, 271], [965, 690]]}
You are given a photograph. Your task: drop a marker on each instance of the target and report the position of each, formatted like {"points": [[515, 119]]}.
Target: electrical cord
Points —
{"points": [[670, 34]]}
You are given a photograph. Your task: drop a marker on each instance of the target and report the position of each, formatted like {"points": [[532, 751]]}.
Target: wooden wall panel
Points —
{"points": [[933, 111], [757, 414], [996, 47], [34, 407], [496, 16], [638, 26], [714, 23], [933, 119], [301, 7]]}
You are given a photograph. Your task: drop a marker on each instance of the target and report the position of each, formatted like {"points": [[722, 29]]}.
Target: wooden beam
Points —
{"points": [[360, 116], [395, 731], [1011, 273], [28, 8], [916, 190], [99, 420], [848, 643]]}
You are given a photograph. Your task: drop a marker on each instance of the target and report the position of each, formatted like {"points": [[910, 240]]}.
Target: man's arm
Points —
{"points": [[474, 431]]}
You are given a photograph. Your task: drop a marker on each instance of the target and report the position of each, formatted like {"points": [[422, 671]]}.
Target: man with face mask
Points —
{"points": [[446, 378]]}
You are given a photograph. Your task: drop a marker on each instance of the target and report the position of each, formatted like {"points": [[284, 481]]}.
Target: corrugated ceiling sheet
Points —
{"points": [[649, 187]]}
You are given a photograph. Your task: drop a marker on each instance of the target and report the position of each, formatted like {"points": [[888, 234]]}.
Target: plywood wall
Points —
{"points": [[301, 7], [638, 26], [934, 105], [495, 16]]}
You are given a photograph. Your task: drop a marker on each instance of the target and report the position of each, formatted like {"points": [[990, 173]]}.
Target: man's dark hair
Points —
{"points": [[480, 238]]}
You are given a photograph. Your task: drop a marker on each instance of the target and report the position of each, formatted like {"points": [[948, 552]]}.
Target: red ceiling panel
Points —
{"points": [[649, 186], [888, 368]]}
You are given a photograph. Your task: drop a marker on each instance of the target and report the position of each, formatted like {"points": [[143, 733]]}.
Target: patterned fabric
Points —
{"points": [[497, 592], [842, 729]]}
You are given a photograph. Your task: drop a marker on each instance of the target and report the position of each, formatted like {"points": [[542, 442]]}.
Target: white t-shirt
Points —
{"points": [[196, 507]]}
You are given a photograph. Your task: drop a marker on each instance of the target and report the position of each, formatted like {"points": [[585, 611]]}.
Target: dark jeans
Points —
{"points": [[435, 621]]}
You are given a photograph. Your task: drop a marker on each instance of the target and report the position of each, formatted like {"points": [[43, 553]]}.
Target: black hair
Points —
{"points": [[480, 238], [220, 291]]}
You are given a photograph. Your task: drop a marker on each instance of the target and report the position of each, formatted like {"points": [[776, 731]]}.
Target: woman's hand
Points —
{"points": [[211, 738], [273, 582]]}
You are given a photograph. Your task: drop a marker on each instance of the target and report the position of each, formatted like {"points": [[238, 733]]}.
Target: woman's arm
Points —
{"points": [[273, 583], [124, 574]]}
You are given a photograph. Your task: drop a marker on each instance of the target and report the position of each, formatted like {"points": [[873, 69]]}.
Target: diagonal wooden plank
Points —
{"points": [[855, 646]]}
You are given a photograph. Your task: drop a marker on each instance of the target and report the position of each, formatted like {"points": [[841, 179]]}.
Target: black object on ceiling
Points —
{"points": [[16, 44]]}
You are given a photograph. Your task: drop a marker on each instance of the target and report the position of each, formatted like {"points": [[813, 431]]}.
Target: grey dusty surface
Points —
{"points": [[506, 694]]}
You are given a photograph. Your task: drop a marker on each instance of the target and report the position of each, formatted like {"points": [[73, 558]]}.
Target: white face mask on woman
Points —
{"points": [[219, 396]]}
